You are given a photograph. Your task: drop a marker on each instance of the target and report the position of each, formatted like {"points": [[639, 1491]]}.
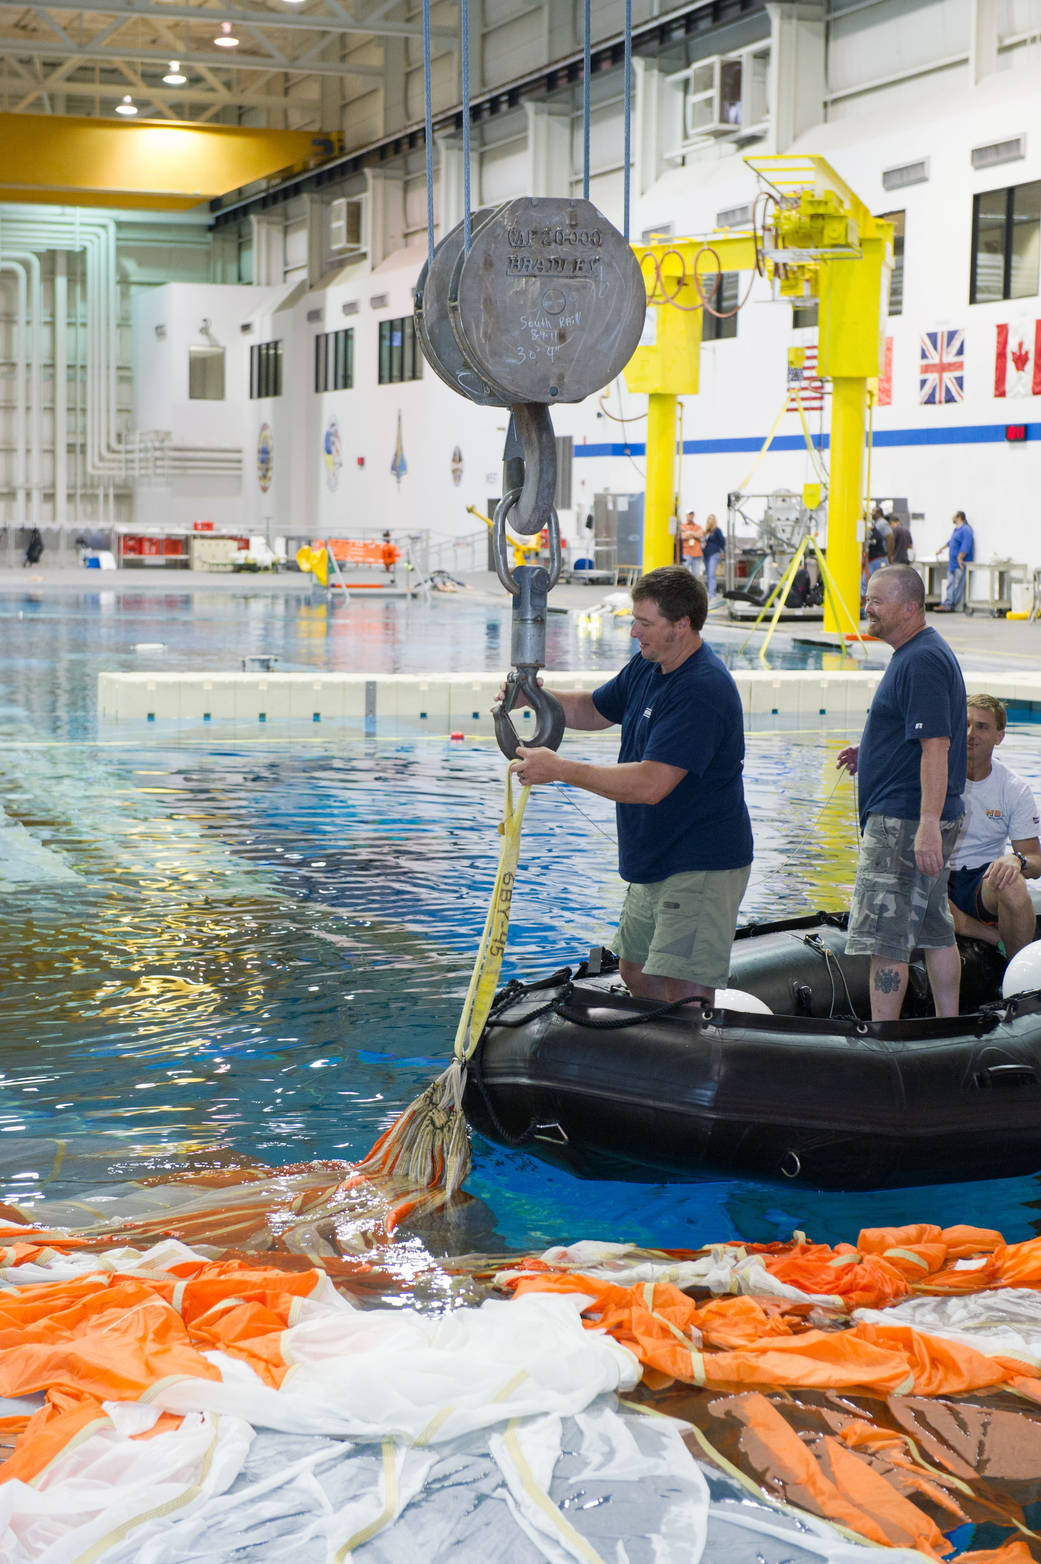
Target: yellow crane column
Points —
{"points": [[845, 501], [660, 503], [665, 365], [852, 310]]}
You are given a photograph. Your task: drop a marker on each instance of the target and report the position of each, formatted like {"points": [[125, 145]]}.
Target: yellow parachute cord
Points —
{"points": [[426, 1151]]}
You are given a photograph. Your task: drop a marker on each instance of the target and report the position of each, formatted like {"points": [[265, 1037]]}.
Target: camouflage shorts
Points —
{"points": [[895, 907]]}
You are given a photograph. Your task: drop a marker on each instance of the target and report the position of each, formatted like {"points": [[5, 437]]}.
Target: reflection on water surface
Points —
{"points": [[263, 945]]}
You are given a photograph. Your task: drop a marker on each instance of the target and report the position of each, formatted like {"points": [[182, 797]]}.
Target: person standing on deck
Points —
{"points": [[690, 544], [902, 541], [961, 551], [684, 836], [713, 548], [911, 764], [988, 889]]}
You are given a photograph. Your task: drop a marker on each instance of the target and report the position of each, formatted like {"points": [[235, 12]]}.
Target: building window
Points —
{"points": [[725, 299], [206, 374], [896, 281], [400, 356], [265, 369], [334, 360], [1006, 231]]}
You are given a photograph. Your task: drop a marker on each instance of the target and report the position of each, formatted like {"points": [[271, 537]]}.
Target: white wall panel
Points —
{"points": [[503, 172], [1018, 16], [444, 85], [896, 35], [514, 46], [416, 203], [606, 142], [905, 100], [364, 118]]}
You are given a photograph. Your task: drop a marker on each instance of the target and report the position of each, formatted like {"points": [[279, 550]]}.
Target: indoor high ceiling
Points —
{"points": [[294, 66]]}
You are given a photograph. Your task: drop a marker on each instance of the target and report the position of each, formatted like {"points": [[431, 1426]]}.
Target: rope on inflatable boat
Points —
{"points": [[427, 1148]]}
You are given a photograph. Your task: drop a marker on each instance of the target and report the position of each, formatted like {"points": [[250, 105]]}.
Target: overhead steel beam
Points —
{"points": [[54, 54], [180, 103], [289, 21]]}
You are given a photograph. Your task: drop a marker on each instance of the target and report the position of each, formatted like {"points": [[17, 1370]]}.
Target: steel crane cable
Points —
{"points": [[586, 68], [464, 28], [428, 134]]}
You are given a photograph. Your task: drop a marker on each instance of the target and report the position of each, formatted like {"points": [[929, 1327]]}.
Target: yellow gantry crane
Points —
{"points": [[815, 239]]}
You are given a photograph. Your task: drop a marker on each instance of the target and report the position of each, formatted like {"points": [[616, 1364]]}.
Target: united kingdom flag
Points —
{"points": [[941, 369]]}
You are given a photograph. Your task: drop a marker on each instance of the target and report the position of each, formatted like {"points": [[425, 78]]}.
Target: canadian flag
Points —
{"points": [[1017, 363]]}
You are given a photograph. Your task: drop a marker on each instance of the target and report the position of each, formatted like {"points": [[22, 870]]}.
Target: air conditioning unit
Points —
{"points": [[726, 95], [712, 100], [347, 225]]}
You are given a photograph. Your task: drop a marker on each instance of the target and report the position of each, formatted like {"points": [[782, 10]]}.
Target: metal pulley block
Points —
{"points": [[434, 326], [548, 304]]}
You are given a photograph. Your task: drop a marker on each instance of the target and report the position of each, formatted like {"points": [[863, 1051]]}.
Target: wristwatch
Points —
{"points": [[1022, 860]]}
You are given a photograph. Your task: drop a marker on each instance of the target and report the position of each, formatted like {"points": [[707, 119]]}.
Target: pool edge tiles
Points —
{"points": [[461, 701]]}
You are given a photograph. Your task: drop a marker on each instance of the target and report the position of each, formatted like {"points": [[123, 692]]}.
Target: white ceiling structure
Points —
{"points": [[292, 67]]}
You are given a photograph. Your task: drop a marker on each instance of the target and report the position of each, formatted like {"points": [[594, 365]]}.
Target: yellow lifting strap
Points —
{"points": [[485, 977]]}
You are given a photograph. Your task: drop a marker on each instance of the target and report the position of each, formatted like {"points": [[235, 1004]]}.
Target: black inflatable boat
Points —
{"points": [[576, 1071]]}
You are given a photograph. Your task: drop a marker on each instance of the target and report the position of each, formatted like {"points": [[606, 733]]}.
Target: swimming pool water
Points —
{"points": [[262, 943]]}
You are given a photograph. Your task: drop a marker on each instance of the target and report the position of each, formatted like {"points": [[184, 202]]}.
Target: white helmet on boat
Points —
{"points": [[1023, 972]]}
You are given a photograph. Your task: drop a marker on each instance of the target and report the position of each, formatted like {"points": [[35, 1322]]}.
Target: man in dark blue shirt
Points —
{"points": [[911, 765], [684, 837]]}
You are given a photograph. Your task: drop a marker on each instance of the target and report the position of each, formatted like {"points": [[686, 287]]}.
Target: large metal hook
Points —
{"points": [[534, 504], [549, 714]]}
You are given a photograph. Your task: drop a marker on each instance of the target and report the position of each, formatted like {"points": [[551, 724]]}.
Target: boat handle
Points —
{"points": [[553, 1132], [1006, 1075]]}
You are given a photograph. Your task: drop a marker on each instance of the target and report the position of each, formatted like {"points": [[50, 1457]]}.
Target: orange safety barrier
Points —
{"points": [[359, 551]]}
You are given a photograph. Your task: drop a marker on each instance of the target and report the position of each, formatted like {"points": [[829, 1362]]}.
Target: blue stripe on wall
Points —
{"points": [[964, 434]]}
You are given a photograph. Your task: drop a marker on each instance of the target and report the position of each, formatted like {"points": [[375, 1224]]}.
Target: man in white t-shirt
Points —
{"points": [[987, 887]]}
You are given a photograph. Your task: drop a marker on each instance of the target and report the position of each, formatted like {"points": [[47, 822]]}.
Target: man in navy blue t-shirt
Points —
{"points": [[684, 837], [911, 766]]}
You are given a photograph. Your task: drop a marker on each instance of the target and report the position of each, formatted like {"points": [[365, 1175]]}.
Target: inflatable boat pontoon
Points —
{"points": [[576, 1071]]}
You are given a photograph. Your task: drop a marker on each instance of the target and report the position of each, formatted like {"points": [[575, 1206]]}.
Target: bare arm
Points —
{"points": [[1006, 870], [579, 711], [633, 782], [1030, 847], [928, 846]]}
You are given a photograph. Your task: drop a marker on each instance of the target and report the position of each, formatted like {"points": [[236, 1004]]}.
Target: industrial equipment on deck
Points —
{"points": [[764, 534]]}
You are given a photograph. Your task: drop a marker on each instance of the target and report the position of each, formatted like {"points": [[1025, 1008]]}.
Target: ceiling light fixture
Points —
{"points": [[175, 77], [127, 107], [226, 39]]}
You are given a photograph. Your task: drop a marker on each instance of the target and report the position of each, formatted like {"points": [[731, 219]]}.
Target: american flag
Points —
{"points": [[805, 386], [941, 368]]}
